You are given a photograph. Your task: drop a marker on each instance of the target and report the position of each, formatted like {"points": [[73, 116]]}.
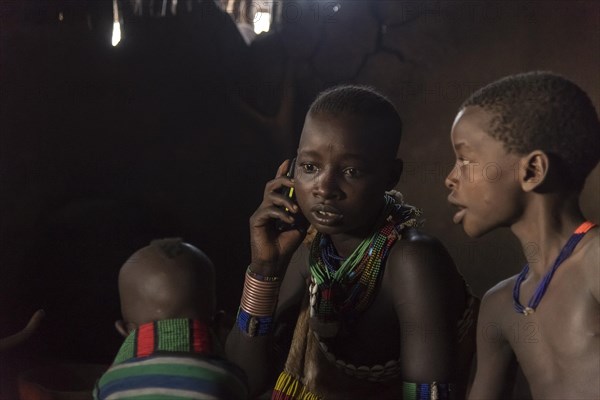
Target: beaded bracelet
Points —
{"points": [[259, 298], [428, 391], [253, 326]]}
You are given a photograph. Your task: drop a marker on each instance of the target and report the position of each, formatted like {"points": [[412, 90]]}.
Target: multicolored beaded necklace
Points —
{"points": [[565, 252], [181, 335], [345, 288]]}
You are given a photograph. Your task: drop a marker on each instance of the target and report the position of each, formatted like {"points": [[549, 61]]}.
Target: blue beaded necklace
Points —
{"points": [[565, 252]]}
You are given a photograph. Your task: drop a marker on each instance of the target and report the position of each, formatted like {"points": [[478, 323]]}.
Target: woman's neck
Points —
{"points": [[345, 244]]}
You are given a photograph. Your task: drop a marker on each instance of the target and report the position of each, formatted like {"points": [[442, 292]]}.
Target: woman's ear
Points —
{"points": [[124, 328], [535, 168], [396, 172]]}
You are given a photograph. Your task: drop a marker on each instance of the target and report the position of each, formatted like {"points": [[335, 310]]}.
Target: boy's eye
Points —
{"points": [[351, 172]]}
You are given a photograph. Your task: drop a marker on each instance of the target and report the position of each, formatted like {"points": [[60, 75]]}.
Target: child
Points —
{"points": [[540, 135], [374, 304], [167, 301]]}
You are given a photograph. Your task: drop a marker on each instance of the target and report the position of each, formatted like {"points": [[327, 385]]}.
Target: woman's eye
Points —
{"points": [[308, 168]]}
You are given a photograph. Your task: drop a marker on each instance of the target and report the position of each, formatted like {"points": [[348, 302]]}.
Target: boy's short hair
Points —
{"points": [[361, 101], [544, 111]]}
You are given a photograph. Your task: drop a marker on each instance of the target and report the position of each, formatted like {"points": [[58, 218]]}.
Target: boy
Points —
{"points": [[374, 304], [167, 301], [541, 134]]}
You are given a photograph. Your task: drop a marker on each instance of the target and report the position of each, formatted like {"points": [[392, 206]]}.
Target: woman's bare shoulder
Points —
{"points": [[419, 253]]}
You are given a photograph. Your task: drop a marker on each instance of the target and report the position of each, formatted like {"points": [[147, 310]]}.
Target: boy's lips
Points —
{"points": [[460, 214], [462, 210], [326, 215]]}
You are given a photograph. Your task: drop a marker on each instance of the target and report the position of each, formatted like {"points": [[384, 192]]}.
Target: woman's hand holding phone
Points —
{"points": [[277, 227]]}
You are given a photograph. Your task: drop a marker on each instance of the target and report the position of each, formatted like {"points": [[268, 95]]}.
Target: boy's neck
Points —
{"points": [[544, 228]]}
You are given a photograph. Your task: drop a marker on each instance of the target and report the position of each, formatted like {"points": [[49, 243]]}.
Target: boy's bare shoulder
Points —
{"points": [[498, 300], [502, 291], [591, 251], [590, 264]]}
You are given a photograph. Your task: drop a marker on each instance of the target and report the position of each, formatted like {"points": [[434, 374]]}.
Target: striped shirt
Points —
{"points": [[153, 364]]}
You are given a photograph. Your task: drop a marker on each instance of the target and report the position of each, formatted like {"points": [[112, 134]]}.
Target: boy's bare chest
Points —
{"points": [[562, 333]]}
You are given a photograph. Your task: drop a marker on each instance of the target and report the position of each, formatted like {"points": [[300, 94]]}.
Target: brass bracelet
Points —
{"points": [[259, 298]]}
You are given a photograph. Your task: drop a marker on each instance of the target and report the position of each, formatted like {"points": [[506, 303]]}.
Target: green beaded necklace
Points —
{"points": [[345, 289]]}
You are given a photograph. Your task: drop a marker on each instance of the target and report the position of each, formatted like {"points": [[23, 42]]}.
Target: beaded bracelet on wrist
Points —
{"points": [[252, 325], [428, 391]]}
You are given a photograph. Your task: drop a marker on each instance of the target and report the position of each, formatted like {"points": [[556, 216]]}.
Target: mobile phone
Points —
{"points": [[300, 222]]}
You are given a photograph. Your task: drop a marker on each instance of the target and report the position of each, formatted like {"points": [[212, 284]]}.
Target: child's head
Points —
{"points": [[166, 279], [362, 105], [347, 158], [529, 133], [543, 111]]}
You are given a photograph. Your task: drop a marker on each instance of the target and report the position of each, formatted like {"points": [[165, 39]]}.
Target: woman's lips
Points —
{"points": [[326, 215]]}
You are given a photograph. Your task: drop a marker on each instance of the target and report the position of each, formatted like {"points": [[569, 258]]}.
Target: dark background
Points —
{"points": [[174, 131]]}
